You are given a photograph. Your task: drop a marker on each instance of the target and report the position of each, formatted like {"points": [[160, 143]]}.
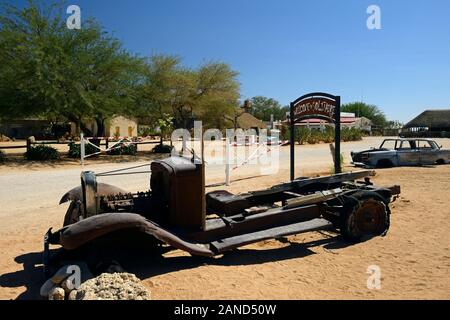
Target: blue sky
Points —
{"points": [[284, 49]]}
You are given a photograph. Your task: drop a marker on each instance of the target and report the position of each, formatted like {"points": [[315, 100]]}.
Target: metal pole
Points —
{"points": [[228, 161], [337, 136], [184, 147], [28, 144], [292, 141], [203, 195], [82, 150]]}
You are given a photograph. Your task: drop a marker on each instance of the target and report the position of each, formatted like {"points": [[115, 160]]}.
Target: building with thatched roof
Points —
{"points": [[430, 123], [247, 121]]}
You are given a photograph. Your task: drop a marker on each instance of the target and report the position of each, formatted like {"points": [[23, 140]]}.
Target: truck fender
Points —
{"points": [[103, 189], [75, 235]]}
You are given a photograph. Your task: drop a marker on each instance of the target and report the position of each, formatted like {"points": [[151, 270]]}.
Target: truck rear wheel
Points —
{"points": [[365, 214]]}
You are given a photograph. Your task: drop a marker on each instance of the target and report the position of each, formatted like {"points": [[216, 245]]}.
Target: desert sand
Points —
{"points": [[414, 257]]}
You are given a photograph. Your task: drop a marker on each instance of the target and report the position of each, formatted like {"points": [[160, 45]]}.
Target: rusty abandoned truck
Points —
{"points": [[176, 213]]}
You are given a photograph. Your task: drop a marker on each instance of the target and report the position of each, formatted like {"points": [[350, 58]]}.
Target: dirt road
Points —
{"points": [[414, 257], [24, 186]]}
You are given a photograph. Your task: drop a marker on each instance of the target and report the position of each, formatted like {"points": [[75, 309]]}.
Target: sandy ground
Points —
{"points": [[414, 257]]}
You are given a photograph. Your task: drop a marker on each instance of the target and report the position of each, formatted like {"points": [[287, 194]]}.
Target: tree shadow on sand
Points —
{"points": [[146, 264]]}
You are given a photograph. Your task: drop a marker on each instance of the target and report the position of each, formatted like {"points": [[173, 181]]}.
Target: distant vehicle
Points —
{"points": [[402, 152]]}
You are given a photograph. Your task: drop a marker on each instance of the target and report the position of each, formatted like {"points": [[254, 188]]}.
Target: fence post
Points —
{"points": [[228, 161], [28, 144], [82, 150], [107, 143], [184, 147]]}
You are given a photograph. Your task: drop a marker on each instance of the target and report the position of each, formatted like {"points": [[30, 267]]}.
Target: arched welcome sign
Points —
{"points": [[317, 105]]}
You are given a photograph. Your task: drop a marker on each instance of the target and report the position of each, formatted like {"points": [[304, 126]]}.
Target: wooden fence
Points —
{"points": [[104, 141]]}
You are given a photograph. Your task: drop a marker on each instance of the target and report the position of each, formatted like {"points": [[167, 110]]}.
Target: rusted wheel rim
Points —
{"points": [[370, 217]]}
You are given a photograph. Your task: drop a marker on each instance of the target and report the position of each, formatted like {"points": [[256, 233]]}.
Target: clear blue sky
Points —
{"points": [[283, 49]]}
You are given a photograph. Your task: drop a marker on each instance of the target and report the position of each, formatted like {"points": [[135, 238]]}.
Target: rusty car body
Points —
{"points": [[176, 213], [402, 152]]}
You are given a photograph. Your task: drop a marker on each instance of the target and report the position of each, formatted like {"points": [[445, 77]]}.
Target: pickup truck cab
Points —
{"points": [[402, 152]]}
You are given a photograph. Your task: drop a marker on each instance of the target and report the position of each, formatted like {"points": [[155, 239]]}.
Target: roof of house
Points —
{"points": [[247, 121], [439, 118]]}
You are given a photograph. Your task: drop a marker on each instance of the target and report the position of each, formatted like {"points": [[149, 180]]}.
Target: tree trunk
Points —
{"points": [[86, 131], [100, 127], [80, 125]]}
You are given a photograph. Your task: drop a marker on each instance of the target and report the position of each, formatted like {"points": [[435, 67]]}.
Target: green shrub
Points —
{"points": [[42, 153], [2, 157], [302, 134], [75, 150], [311, 136], [328, 135], [351, 134], [162, 148], [123, 149], [144, 131], [313, 139]]}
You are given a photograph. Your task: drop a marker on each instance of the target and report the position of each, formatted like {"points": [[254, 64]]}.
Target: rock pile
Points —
{"points": [[113, 286], [107, 286]]}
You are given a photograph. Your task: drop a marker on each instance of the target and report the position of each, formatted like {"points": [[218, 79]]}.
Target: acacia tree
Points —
{"points": [[216, 93], [157, 92], [369, 111], [263, 108], [50, 71], [205, 93]]}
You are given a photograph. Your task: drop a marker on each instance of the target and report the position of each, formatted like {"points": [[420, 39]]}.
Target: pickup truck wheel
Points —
{"points": [[365, 214]]}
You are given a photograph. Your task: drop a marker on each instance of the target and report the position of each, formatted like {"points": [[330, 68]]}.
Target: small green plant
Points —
{"points": [[312, 136], [42, 153], [165, 125], [328, 135], [302, 135], [123, 149], [75, 150], [145, 131], [332, 169], [2, 157], [162, 148], [351, 134]]}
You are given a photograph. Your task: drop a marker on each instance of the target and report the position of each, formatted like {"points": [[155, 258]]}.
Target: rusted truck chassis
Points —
{"points": [[176, 212]]}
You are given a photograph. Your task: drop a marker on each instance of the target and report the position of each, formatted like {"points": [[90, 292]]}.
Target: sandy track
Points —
{"points": [[414, 257]]}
